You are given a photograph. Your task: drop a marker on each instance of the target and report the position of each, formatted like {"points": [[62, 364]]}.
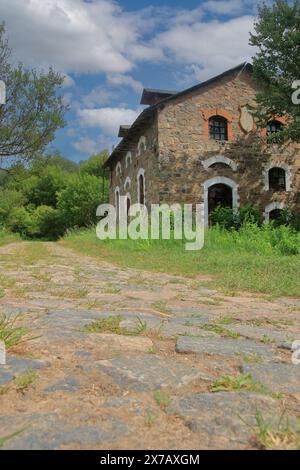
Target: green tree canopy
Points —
{"points": [[33, 110], [277, 63]]}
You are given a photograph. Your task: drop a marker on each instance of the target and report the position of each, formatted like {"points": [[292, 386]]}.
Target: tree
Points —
{"points": [[33, 110], [78, 202], [95, 166], [277, 63]]}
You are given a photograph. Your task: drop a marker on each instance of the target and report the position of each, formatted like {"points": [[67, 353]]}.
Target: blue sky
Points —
{"points": [[109, 50]]}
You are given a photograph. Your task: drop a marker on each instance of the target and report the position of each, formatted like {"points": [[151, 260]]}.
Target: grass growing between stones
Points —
{"points": [[220, 330], [251, 259], [276, 435], [242, 382], [162, 399], [23, 382], [251, 358], [11, 333], [106, 325], [4, 439]]}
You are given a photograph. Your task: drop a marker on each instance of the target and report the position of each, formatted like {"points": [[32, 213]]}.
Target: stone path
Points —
{"points": [[155, 377]]}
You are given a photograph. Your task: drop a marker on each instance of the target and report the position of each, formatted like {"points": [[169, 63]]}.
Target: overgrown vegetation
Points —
{"points": [[254, 258], [51, 195], [276, 434], [8, 237]]}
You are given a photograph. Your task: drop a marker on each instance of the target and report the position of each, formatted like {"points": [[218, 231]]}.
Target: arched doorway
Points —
{"points": [[219, 191], [276, 216], [219, 195]]}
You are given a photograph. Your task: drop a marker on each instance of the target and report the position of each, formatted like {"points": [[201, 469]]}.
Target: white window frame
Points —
{"points": [[220, 180]]}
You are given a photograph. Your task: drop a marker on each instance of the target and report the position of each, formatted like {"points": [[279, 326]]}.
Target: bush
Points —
{"points": [[249, 214], [21, 221], [229, 219], [78, 202], [284, 239], [47, 223], [43, 189], [9, 200], [225, 218]]}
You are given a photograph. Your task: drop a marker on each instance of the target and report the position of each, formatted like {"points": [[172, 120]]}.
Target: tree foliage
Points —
{"points": [[49, 196], [277, 63], [33, 111]]}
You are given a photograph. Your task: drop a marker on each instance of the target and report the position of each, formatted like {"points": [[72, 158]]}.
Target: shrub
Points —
{"points": [[225, 218], [21, 221], [228, 218], [9, 200], [284, 239], [78, 202], [43, 189], [249, 214], [47, 223]]}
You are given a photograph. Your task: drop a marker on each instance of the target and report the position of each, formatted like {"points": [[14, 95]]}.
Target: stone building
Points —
{"points": [[198, 145]]}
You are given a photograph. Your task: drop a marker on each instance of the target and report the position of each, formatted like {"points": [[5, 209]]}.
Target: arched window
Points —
{"points": [[118, 169], [128, 204], [142, 146], [274, 127], [277, 179], [218, 128], [141, 189], [128, 159], [117, 202]]}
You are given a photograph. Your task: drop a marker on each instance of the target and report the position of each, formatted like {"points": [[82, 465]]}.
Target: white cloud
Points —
{"points": [[86, 145], [71, 35], [98, 36], [208, 47], [68, 82], [121, 80], [98, 96], [224, 7], [107, 119]]}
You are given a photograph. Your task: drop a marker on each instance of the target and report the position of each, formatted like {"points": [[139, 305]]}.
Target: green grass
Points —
{"points": [[220, 330], [23, 382], [11, 333], [4, 439], [243, 382], [250, 259], [162, 399], [275, 434], [106, 325], [7, 237]]}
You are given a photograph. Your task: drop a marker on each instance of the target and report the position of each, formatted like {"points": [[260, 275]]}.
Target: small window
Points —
{"points": [[117, 204], [277, 179], [141, 190], [128, 204], [218, 128], [274, 127]]}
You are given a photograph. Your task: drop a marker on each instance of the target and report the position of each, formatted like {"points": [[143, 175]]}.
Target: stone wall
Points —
{"points": [[184, 145], [141, 158], [178, 148]]}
